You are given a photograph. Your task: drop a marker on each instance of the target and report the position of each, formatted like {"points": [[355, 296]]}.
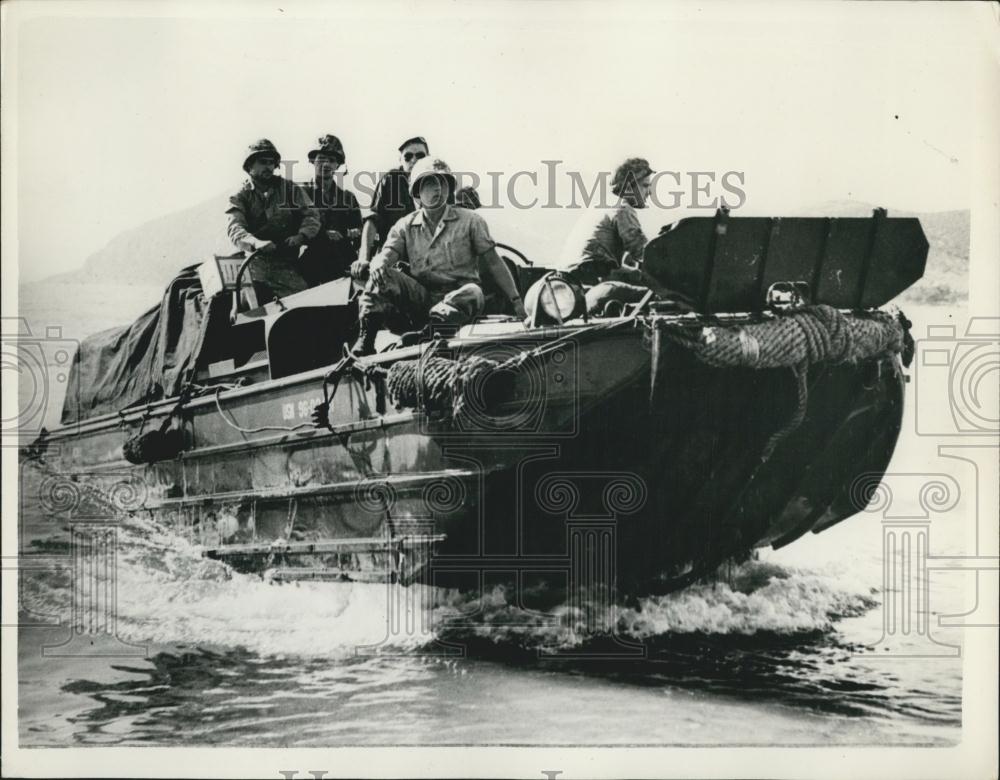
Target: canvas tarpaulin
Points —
{"points": [[146, 361]]}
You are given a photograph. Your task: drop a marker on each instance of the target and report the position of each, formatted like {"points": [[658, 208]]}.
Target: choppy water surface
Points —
{"points": [[776, 651]]}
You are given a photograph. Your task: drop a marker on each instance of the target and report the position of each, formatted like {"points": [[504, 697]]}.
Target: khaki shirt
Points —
{"points": [[600, 239], [448, 257]]}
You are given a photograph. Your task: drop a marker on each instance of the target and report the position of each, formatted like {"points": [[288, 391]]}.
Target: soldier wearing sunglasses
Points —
{"points": [[391, 201]]}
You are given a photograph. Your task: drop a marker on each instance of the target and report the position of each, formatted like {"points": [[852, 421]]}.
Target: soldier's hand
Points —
{"points": [[354, 233], [359, 270], [294, 242], [266, 247], [335, 235], [519, 311], [378, 273]]}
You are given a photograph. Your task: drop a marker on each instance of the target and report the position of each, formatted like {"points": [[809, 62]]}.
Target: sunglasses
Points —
{"points": [[409, 156]]}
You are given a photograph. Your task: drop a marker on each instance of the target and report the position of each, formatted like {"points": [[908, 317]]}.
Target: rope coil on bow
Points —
{"points": [[811, 335], [442, 384]]}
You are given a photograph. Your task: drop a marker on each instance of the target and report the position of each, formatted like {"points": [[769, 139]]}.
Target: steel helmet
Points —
{"points": [[429, 166], [257, 148], [329, 145], [628, 174]]}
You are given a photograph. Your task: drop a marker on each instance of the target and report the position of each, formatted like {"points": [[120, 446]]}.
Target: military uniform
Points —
{"points": [[444, 267], [443, 282], [601, 239], [325, 259], [271, 212], [391, 201], [596, 251]]}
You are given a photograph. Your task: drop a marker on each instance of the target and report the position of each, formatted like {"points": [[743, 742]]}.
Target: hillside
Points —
{"points": [[946, 279], [153, 252]]}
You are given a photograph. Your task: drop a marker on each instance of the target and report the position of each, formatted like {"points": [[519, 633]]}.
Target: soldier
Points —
{"points": [[330, 254], [391, 200], [445, 246], [605, 249], [274, 217], [604, 242]]}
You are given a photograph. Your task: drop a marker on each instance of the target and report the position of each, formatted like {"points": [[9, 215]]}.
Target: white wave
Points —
{"points": [[167, 593], [792, 602]]}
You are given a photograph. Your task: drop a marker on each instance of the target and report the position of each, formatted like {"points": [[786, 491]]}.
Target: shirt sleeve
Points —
{"points": [[479, 233], [353, 211], [310, 216], [377, 208], [394, 249], [379, 195], [388, 203], [237, 229], [630, 231]]}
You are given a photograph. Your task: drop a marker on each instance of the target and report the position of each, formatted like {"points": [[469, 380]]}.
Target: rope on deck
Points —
{"points": [[803, 337]]}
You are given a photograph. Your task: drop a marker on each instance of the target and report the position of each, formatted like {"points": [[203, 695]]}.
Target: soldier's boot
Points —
{"points": [[369, 326]]}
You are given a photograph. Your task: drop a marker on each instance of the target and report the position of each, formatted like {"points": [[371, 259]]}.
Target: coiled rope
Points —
{"points": [[441, 384], [436, 383], [803, 337]]}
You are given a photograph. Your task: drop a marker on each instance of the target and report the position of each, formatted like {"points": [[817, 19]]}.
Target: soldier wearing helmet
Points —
{"points": [[445, 247], [391, 200], [605, 248], [273, 217], [330, 254]]}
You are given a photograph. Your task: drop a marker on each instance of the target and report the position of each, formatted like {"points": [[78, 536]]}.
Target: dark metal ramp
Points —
{"points": [[727, 263]]}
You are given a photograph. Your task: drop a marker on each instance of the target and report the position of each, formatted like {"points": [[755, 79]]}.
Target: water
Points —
{"points": [[784, 649], [779, 651]]}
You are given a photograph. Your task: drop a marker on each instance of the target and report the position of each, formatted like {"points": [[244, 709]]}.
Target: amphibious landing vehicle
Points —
{"points": [[641, 446]]}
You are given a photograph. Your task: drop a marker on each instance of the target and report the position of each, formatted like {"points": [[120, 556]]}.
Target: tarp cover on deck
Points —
{"points": [[148, 360]]}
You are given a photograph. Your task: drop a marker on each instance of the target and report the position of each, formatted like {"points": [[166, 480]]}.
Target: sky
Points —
{"points": [[120, 113]]}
